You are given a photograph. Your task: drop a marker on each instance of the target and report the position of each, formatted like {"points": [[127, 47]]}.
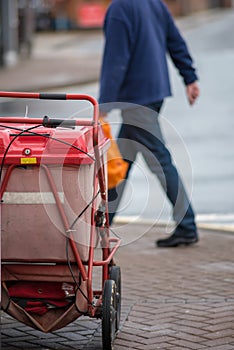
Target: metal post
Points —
{"points": [[1, 36], [26, 27], [9, 32]]}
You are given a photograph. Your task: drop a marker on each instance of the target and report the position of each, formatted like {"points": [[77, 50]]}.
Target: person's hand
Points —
{"points": [[193, 92]]}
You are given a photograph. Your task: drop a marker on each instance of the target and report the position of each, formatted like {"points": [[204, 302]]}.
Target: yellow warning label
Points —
{"points": [[28, 160]]}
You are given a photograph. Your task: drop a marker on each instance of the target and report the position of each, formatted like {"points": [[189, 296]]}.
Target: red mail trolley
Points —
{"points": [[54, 221]]}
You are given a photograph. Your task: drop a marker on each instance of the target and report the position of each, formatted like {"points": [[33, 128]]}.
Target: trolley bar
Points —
{"points": [[47, 122], [48, 96], [54, 123], [52, 96], [111, 255], [57, 96], [11, 94], [21, 120]]}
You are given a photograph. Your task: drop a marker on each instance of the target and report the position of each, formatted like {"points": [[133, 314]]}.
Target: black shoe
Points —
{"points": [[177, 239]]}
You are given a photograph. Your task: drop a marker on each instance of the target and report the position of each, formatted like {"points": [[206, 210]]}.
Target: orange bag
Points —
{"points": [[116, 166]]}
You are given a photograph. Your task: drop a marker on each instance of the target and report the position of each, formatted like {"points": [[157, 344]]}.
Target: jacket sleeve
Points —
{"points": [[179, 53], [115, 59]]}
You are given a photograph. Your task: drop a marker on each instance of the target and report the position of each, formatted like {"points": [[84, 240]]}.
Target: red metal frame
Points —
{"points": [[107, 251]]}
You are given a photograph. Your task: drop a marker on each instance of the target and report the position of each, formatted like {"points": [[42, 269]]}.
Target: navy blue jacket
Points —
{"points": [[138, 36]]}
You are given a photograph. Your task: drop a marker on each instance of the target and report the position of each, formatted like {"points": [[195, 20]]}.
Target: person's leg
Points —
{"points": [[147, 133], [128, 148], [159, 161]]}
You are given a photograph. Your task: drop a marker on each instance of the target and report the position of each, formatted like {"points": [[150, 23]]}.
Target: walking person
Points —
{"points": [[138, 36]]}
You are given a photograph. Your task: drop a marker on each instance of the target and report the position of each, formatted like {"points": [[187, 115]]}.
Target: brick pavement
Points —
{"points": [[179, 298]]}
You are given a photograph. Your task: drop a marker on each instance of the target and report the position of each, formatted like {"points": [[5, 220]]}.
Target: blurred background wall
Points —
{"points": [[20, 19]]}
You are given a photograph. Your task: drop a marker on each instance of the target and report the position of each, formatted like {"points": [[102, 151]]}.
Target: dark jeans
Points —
{"points": [[141, 132]]}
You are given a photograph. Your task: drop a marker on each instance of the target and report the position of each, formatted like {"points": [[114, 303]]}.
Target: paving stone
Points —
{"points": [[183, 301]]}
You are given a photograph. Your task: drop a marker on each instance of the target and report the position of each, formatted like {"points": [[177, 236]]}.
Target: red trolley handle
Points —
{"points": [[55, 122]]}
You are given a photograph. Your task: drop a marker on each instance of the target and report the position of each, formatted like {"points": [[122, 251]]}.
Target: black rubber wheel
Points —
{"points": [[109, 314], [115, 275]]}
